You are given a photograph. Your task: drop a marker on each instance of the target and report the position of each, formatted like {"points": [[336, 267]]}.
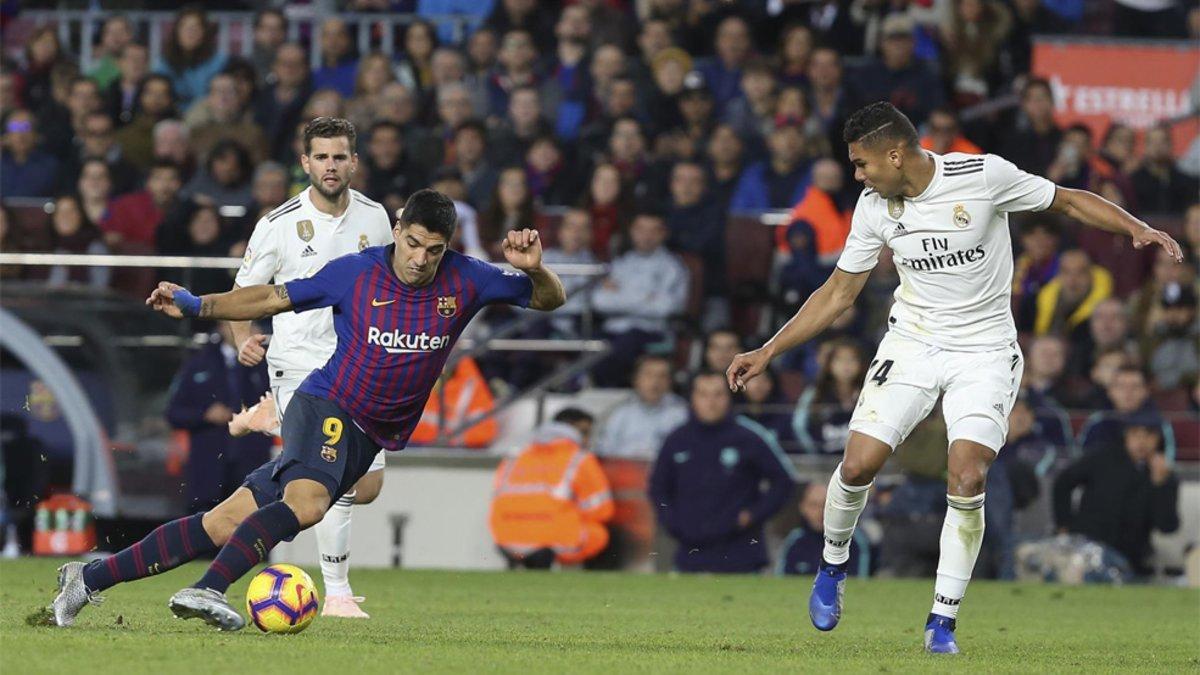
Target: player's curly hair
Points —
{"points": [[329, 127], [432, 210], [880, 121]]}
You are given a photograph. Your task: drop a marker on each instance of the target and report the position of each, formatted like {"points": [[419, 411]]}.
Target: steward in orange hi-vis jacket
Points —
{"points": [[551, 501]]}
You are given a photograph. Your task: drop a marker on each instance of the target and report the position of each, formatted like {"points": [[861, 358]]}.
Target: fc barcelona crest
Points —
{"points": [[961, 217], [304, 230], [895, 207], [447, 306], [329, 453], [363, 243]]}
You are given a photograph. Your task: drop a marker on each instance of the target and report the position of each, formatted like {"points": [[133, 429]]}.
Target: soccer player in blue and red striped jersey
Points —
{"points": [[398, 311]]}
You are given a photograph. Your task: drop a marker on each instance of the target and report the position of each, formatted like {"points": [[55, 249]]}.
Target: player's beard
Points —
{"points": [[334, 194]]}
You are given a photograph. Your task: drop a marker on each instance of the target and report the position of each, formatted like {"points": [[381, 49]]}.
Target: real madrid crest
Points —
{"points": [[895, 207], [362, 242], [447, 306], [304, 230], [961, 217]]}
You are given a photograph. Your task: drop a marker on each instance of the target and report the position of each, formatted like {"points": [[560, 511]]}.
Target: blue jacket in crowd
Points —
{"points": [[217, 463], [705, 475]]}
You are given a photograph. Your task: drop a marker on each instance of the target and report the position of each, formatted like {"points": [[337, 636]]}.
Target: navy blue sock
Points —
{"points": [[249, 545], [167, 547]]}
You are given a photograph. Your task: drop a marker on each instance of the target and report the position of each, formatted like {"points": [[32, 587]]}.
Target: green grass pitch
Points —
{"points": [[573, 622]]}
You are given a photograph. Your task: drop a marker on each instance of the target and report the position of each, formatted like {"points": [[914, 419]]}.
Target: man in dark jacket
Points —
{"points": [[1128, 491], [210, 388], [708, 484]]}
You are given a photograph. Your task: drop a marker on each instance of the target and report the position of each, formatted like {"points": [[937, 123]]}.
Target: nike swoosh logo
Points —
{"points": [[376, 302]]}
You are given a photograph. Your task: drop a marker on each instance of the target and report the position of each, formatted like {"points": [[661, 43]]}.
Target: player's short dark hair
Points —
{"points": [[432, 210], [329, 127], [879, 122], [573, 416]]}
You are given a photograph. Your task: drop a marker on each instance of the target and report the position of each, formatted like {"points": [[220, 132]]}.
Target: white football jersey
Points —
{"points": [[952, 249], [293, 242]]}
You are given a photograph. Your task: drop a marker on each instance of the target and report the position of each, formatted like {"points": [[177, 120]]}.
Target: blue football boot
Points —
{"points": [[825, 603], [939, 635]]}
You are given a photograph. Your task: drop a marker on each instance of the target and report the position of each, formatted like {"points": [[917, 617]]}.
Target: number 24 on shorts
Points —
{"points": [[881, 375]]}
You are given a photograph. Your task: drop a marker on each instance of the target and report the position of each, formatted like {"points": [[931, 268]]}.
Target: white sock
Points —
{"points": [[842, 508], [333, 543], [962, 535]]}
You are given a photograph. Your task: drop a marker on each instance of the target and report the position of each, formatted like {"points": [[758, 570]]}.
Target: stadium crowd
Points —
{"points": [[636, 133]]}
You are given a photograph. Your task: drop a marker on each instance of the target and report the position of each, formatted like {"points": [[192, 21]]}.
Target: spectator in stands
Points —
{"points": [[269, 188], [1028, 442], [513, 135], [716, 481], [551, 180], [720, 346], [779, 181], [898, 77], [822, 418], [191, 57], [551, 502], [225, 179], [94, 188], [1033, 143], [339, 62], [99, 142], [270, 33], [115, 35], [1160, 186], [607, 64], [454, 108], [197, 230], [627, 152], [820, 224], [1077, 164], [516, 68], [1030, 17], [802, 548], [1119, 148], [636, 428], [733, 49], [669, 68], [1036, 266], [220, 117], [766, 405], [943, 133], [832, 99], [796, 46], [374, 73], [972, 40], [1146, 303], [278, 104], [610, 207], [1094, 394], [1129, 491], [447, 66], [25, 171], [155, 102], [209, 388], [483, 47], [529, 16], [171, 143], [62, 128], [725, 161], [121, 93], [1173, 354], [1046, 367], [1108, 329], [134, 218], [573, 246], [1064, 304], [11, 241], [1128, 393], [416, 67], [697, 226], [470, 159], [42, 53], [510, 207], [389, 171], [645, 288], [73, 232], [565, 92], [696, 110]]}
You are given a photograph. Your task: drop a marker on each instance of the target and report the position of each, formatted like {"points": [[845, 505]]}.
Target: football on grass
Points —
{"points": [[282, 599]]}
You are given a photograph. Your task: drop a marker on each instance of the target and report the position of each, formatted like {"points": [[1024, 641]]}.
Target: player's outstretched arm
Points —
{"points": [[1096, 211], [827, 303], [523, 250], [240, 304]]}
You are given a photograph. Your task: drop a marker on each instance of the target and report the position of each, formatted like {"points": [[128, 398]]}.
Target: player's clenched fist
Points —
{"points": [[523, 249], [162, 299], [746, 367], [252, 350]]}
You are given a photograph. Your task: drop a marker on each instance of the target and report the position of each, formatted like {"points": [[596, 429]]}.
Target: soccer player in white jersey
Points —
{"points": [[325, 221], [950, 332]]}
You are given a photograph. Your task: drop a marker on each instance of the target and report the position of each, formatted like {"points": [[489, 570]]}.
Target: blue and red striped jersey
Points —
{"points": [[393, 339]]}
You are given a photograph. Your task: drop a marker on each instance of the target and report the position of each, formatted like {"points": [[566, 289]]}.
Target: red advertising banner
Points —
{"points": [[1137, 83]]}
